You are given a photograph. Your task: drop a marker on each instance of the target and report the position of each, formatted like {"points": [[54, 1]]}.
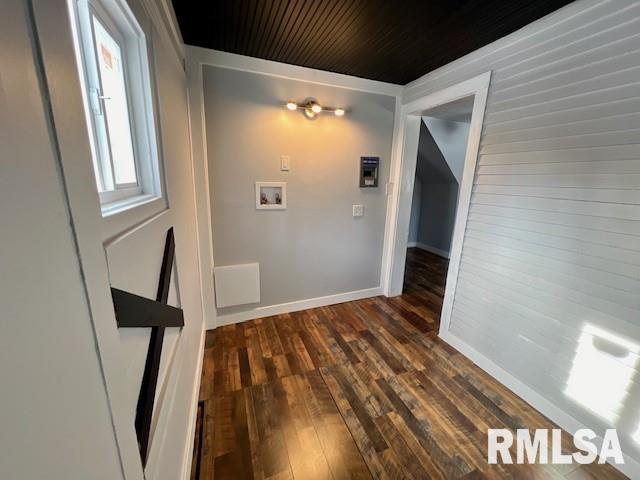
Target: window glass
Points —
{"points": [[114, 100]]}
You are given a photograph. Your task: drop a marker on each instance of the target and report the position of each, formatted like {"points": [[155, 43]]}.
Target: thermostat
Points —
{"points": [[369, 171]]}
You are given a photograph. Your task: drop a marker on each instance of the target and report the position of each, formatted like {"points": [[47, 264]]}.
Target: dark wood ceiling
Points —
{"points": [[390, 40]]}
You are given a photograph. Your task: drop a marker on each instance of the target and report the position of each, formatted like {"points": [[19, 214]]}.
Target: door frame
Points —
{"points": [[403, 166]]}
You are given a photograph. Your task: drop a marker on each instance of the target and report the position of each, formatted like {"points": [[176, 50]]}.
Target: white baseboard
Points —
{"points": [[296, 306], [195, 395], [428, 248], [630, 468]]}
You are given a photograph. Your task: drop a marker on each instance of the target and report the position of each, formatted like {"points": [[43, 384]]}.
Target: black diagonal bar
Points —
{"points": [[144, 411], [135, 311]]}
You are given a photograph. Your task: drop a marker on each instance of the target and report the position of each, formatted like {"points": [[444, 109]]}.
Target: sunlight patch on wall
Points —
{"points": [[602, 370]]}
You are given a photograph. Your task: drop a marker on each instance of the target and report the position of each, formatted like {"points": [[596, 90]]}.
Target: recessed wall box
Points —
{"points": [[369, 167]]}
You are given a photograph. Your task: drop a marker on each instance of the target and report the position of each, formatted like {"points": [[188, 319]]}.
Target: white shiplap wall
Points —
{"points": [[553, 235]]}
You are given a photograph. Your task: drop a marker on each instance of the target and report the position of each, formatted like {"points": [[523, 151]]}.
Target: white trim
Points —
{"points": [[297, 305], [202, 194], [195, 397], [164, 18], [428, 248], [216, 58], [392, 207], [631, 467], [403, 163]]}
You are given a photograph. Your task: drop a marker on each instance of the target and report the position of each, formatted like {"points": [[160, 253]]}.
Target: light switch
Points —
{"points": [[285, 163], [358, 210]]}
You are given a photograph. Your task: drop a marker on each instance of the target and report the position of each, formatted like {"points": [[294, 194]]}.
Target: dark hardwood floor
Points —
{"points": [[357, 390]]}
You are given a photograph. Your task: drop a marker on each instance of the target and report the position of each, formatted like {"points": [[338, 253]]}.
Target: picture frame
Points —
{"points": [[271, 195]]}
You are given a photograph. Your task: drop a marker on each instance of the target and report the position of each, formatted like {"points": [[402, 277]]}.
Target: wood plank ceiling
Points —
{"points": [[391, 41]]}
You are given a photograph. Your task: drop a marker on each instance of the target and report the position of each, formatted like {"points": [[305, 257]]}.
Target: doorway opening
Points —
{"points": [[436, 145], [442, 143]]}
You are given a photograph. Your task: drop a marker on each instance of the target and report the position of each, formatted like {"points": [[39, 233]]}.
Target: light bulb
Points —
{"points": [[292, 105], [316, 108], [309, 112], [339, 112]]}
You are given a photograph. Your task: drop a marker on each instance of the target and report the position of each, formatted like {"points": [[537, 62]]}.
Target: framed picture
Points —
{"points": [[271, 195]]}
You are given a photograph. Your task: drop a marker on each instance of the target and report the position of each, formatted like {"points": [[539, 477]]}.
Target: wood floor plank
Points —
{"points": [[359, 390], [273, 453], [341, 452]]}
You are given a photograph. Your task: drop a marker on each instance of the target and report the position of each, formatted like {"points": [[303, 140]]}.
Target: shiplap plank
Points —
{"points": [[569, 170], [576, 141], [602, 181], [620, 211], [629, 196], [592, 154]]}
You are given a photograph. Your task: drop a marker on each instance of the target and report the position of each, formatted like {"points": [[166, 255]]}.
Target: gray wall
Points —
{"points": [[315, 247], [435, 194], [414, 220], [437, 215], [553, 236]]}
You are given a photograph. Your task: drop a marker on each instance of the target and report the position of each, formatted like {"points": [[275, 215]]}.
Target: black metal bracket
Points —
{"points": [[133, 311]]}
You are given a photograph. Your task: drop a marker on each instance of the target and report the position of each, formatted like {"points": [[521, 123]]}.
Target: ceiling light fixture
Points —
{"points": [[311, 108]]}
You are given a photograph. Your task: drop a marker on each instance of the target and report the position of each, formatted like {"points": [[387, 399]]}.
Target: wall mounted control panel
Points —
{"points": [[369, 167]]}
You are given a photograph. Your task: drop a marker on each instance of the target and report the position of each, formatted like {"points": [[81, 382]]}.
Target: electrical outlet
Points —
{"points": [[358, 210], [285, 163]]}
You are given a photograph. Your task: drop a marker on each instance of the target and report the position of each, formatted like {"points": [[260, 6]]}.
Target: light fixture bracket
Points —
{"points": [[311, 108]]}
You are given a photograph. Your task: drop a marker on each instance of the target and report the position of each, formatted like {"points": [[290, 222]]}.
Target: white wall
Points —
{"points": [[315, 248], [125, 251], [54, 410], [552, 245], [451, 138]]}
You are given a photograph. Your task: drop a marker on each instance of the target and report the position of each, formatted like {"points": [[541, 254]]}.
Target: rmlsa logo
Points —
{"points": [[535, 449]]}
